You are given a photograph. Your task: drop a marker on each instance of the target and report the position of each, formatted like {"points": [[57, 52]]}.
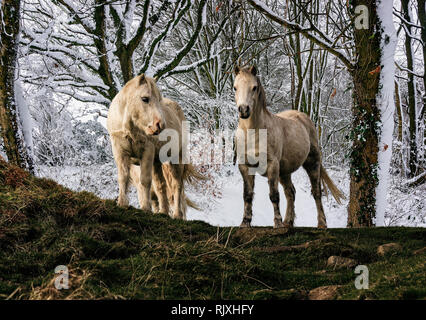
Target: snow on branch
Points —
{"points": [[170, 65], [321, 39]]}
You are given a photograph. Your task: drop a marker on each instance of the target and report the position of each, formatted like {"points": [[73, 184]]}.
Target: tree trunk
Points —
{"points": [[421, 8], [412, 110], [399, 112], [104, 69], [11, 133], [366, 115]]}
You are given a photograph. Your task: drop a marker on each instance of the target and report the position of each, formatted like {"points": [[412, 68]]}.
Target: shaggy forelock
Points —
{"points": [[153, 87]]}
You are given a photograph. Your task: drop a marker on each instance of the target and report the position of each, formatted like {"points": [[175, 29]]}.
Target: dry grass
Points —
{"points": [[113, 253]]}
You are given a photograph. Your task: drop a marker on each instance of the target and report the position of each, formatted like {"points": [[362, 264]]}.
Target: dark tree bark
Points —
{"points": [[104, 69], [421, 7], [412, 112], [13, 138], [366, 115]]}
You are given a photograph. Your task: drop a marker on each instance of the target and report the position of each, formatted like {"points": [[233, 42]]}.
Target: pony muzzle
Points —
{"points": [[155, 127], [244, 111]]}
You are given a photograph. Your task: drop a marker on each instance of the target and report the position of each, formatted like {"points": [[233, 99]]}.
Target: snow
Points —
{"points": [[228, 210], [204, 15], [24, 117], [323, 38], [386, 105], [221, 198], [225, 208]]}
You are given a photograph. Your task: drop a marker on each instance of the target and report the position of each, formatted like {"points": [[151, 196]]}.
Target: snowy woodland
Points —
{"points": [[357, 68]]}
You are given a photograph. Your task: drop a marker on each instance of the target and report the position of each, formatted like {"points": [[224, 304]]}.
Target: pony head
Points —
{"points": [[144, 110], [248, 91]]}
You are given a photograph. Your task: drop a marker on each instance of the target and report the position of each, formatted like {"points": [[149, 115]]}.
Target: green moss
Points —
{"points": [[117, 253]]}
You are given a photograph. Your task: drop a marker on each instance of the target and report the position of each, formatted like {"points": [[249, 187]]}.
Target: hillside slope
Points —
{"points": [[115, 253]]}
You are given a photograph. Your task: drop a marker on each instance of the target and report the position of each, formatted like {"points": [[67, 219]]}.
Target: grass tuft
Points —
{"points": [[113, 253]]}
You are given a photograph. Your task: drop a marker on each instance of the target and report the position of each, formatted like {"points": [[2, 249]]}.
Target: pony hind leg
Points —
{"points": [[274, 195], [290, 194], [160, 188], [154, 201], [313, 169], [177, 190]]}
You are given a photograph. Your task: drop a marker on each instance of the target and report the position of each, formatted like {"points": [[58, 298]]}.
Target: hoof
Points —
{"points": [[288, 225], [279, 224], [245, 225], [178, 216], [123, 203]]}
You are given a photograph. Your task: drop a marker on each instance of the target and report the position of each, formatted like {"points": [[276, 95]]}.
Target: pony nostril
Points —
{"points": [[243, 109], [157, 125]]}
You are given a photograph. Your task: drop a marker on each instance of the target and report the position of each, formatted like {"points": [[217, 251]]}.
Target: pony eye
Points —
{"points": [[145, 99], [235, 89], [254, 88]]}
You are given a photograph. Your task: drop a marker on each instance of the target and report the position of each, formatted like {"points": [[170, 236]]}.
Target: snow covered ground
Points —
{"points": [[222, 203], [221, 198], [228, 209]]}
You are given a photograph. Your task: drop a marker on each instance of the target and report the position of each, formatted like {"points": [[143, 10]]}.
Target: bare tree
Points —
{"points": [[92, 48], [10, 122]]}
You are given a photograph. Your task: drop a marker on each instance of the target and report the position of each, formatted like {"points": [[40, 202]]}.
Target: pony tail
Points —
{"points": [[326, 180]]}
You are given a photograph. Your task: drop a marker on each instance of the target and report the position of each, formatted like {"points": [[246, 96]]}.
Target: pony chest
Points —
{"points": [[137, 147], [252, 148]]}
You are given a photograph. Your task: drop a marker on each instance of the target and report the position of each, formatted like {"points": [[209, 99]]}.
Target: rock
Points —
{"points": [[388, 248], [341, 262], [324, 293], [420, 251]]}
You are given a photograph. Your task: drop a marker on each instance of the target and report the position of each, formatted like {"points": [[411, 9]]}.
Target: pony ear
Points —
{"points": [[253, 70], [236, 69], [142, 79]]}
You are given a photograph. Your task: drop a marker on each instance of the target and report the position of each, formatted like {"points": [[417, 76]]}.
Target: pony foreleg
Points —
{"points": [[290, 194], [154, 200], [248, 194], [274, 196], [144, 187], [123, 168], [160, 188]]}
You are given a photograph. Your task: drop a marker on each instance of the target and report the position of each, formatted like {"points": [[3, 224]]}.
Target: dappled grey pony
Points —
{"points": [[291, 142]]}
